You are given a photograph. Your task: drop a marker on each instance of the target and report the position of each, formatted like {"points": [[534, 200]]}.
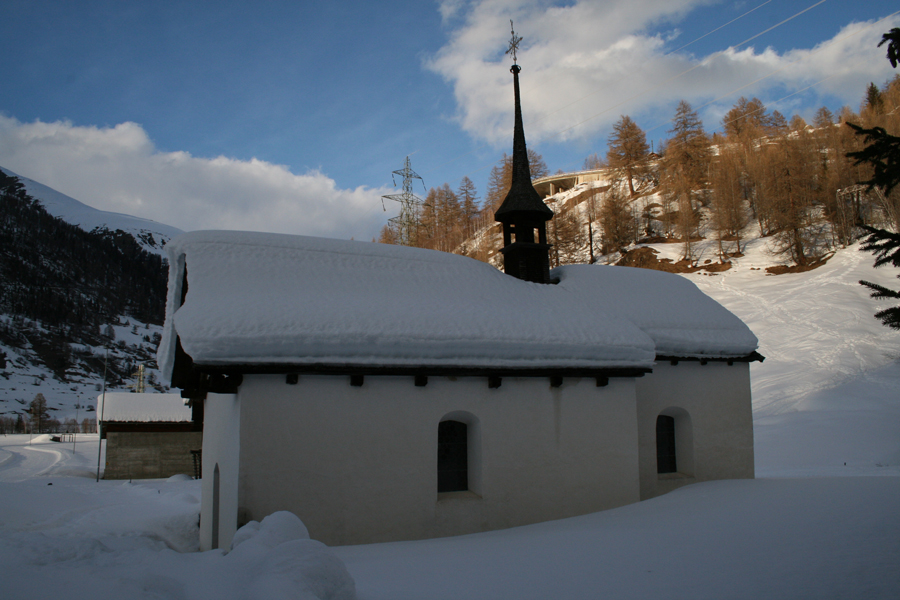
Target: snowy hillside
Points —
{"points": [[151, 235], [27, 373], [832, 372], [67, 294]]}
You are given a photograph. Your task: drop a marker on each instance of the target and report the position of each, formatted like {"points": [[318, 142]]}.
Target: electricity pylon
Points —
{"points": [[138, 385], [406, 224]]}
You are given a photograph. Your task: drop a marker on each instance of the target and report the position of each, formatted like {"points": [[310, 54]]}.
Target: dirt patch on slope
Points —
{"points": [[645, 258], [782, 269]]}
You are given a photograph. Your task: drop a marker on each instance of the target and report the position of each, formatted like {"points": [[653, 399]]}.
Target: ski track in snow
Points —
{"points": [[803, 322]]}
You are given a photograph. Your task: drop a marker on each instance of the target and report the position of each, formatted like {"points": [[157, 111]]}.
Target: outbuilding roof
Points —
{"points": [[272, 299], [125, 407]]}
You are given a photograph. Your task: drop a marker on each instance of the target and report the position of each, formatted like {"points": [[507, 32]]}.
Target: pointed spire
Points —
{"points": [[522, 211], [522, 196]]}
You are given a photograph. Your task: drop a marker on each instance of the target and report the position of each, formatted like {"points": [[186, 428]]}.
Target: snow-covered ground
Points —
{"points": [[63, 534], [808, 527]]}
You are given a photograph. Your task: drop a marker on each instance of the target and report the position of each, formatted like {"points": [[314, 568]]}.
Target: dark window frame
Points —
{"points": [[453, 456], [666, 459]]}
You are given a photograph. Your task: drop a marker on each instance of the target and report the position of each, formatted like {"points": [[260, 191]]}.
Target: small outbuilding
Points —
{"points": [[148, 436]]}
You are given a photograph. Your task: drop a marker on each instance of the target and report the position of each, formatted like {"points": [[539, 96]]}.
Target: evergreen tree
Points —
{"points": [[468, 197], [616, 220], [892, 39], [685, 169], [39, 414], [628, 151], [883, 153], [885, 245], [873, 101], [823, 118], [747, 118]]}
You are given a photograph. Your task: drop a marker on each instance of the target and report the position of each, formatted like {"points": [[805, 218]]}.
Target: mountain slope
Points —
{"points": [[152, 236], [67, 295]]}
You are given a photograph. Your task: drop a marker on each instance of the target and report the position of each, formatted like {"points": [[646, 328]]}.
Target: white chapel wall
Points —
{"points": [[221, 446], [713, 400], [359, 464]]}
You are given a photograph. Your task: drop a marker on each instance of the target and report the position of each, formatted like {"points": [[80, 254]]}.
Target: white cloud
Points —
{"points": [[119, 169], [588, 62]]}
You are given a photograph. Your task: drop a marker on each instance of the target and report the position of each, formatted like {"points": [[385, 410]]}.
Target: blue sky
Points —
{"points": [[290, 116]]}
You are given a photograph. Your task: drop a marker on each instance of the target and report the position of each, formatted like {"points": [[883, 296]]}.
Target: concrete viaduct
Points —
{"points": [[553, 184]]}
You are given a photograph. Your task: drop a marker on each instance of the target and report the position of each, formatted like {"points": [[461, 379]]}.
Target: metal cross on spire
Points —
{"points": [[513, 42]]}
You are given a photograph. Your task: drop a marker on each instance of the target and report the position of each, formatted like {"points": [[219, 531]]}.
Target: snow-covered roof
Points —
{"points": [[273, 299], [679, 318], [142, 408]]}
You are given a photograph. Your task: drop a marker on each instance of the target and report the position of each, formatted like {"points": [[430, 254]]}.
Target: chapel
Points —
{"points": [[385, 393]]}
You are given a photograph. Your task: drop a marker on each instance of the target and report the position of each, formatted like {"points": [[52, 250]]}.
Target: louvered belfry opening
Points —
{"points": [[526, 253]]}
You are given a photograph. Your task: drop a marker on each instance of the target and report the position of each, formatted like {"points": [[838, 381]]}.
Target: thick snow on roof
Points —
{"points": [[681, 319], [275, 299], [142, 408], [278, 299]]}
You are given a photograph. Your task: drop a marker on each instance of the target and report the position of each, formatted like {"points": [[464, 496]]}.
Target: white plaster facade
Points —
{"points": [[362, 464], [221, 459], [359, 464], [713, 422]]}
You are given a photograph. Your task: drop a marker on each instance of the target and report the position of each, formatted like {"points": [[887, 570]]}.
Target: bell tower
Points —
{"points": [[523, 214]]}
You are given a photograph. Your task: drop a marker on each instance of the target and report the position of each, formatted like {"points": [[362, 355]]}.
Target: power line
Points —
{"points": [[737, 89], [789, 64], [647, 91], [686, 71], [717, 29]]}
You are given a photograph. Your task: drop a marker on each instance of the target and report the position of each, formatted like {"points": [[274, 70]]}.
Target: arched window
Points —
{"points": [[665, 445], [453, 456]]}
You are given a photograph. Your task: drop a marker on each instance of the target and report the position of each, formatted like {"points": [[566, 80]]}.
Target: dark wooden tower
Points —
{"points": [[523, 214]]}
